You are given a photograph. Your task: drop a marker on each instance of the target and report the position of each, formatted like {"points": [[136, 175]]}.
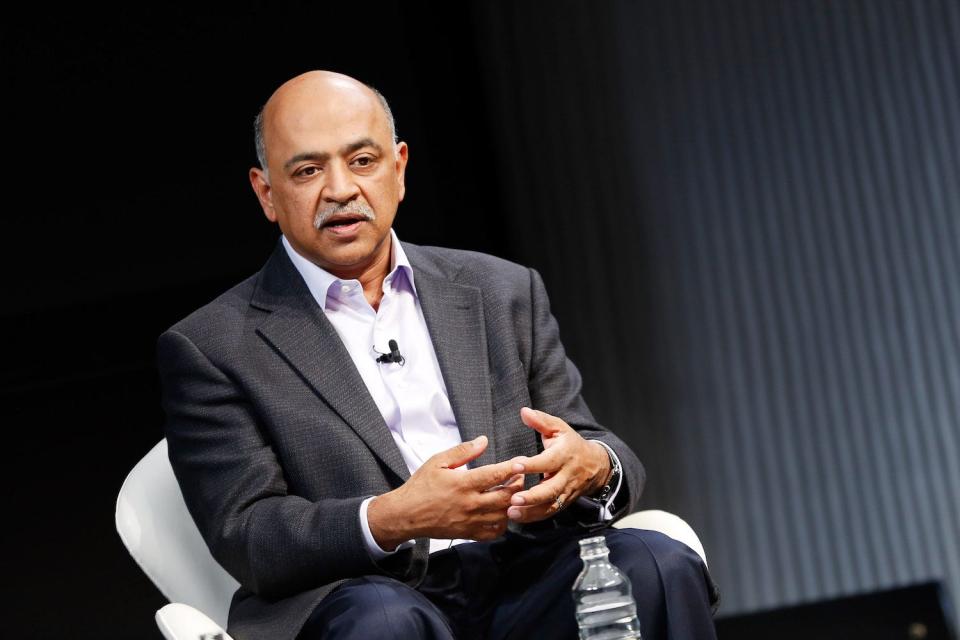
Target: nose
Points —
{"points": [[340, 185]]}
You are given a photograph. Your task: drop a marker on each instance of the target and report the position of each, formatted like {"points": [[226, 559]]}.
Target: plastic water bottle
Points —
{"points": [[606, 609]]}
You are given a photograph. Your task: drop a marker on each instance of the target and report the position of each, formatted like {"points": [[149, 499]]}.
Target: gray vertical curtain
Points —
{"points": [[748, 216]]}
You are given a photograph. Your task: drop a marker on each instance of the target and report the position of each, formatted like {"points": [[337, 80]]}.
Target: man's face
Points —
{"points": [[335, 175]]}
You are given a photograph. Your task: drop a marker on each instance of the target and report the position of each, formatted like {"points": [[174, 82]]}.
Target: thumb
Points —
{"points": [[462, 453]]}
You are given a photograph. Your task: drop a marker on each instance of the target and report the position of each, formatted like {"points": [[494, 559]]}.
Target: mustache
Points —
{"points": [[324, 215]]}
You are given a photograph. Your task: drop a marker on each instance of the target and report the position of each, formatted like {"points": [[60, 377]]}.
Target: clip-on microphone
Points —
{"points": [[393, 356]]}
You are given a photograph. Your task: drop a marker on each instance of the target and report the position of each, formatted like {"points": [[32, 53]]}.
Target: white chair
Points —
{"points": [[159, 533]]}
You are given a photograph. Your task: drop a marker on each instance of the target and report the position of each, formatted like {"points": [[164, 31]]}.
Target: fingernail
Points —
{"points": [[517, 467], [517, 499], [513, 513], [479, 441]]}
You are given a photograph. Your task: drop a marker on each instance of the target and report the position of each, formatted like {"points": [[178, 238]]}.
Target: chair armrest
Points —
{"points": [[667, 524], [179, 621]]}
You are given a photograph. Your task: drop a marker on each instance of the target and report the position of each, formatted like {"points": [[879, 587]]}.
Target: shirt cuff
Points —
{"points": [[372, 547], [605, 513]]}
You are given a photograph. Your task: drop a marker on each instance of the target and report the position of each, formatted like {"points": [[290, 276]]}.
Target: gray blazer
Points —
{"points": [[275, 440]]}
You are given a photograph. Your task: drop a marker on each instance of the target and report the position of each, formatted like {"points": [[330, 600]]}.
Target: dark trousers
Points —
{"points": [[517, 588]]}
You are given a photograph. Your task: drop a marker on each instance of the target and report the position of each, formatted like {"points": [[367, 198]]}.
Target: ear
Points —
{"points": [[261, 186], [402, 153]]}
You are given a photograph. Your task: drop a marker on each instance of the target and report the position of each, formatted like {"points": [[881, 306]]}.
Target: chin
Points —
{"points": [[347, 257]]}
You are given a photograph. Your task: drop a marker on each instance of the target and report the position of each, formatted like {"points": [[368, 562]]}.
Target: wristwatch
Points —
{"points": [[614, 480], [599, 501]]}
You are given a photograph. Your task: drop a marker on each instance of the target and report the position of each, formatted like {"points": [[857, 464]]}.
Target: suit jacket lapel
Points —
{"points": [[454, 315], [302, 335]]}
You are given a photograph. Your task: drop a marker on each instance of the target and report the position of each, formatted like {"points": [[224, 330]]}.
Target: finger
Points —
{"points": [[536, 513], [460, 454], [492, 521], [549, 461], [491, 475], [491, 531], [526, 515], [545, 423], [511, 484], [544, 493], [495, 502]]}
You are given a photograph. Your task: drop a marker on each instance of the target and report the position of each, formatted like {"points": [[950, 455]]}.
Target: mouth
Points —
{"points": [[344, 224], [342, 220], [343, 217]]}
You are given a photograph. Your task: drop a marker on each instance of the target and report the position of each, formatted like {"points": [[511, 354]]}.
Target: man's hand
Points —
{"points": [[571, 467], [440, 501]]}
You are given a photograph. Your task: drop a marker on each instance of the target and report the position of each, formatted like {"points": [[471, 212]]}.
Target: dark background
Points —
{"points": [[747, 215]]}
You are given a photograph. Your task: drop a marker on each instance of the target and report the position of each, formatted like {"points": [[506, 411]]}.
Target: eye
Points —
{"points": [[364, 162], [306, 172]]}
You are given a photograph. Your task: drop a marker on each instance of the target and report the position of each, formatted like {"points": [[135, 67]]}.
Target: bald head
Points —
{"points": [[314, 85]]}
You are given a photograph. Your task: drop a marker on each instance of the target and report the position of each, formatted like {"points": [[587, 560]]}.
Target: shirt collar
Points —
{"points": [[320, 280]]}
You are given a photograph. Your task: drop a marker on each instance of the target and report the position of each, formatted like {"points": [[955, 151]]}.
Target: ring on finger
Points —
{"points": [[558, 503]]}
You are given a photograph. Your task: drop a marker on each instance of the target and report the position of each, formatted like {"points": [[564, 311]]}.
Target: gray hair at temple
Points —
{"points": [[262, 146]]}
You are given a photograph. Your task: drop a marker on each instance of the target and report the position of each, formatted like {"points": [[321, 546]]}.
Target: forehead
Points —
{"points": [[324, 121]]}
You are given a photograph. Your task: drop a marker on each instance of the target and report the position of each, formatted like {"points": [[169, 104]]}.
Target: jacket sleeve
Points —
{"points": [[274, 543], [555, 387]]}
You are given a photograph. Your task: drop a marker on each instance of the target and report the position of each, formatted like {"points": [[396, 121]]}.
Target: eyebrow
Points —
{"points": [[322, 157]]}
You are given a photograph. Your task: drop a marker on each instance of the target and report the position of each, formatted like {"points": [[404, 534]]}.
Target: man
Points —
{"points": [[384, 440]]}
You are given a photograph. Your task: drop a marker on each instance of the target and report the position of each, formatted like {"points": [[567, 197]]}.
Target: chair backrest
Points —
{"points": [[666, 523], [159, 533]]}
